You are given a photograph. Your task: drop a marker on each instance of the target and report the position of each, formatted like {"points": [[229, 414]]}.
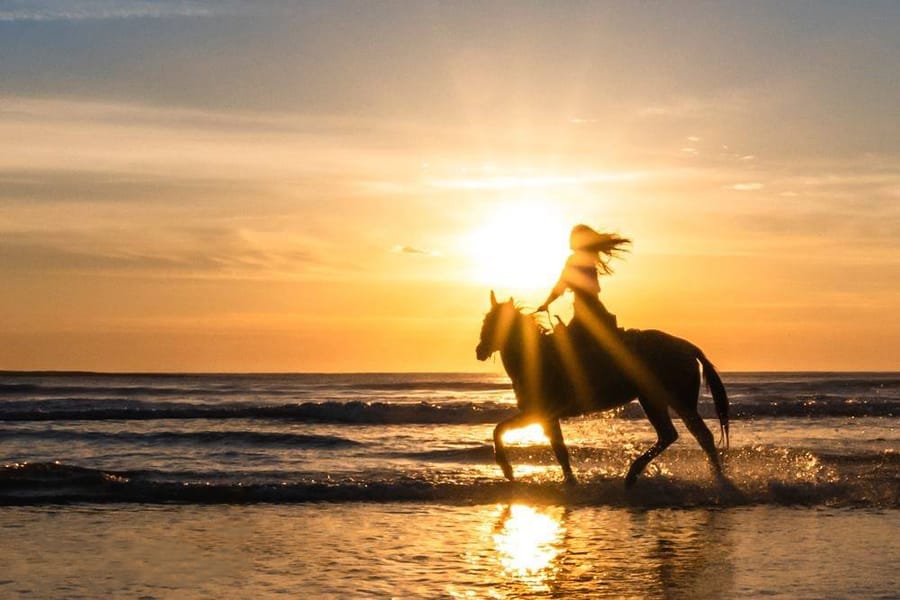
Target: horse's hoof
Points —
{"points": [[570, 481], [727, 485], [630, 480]]}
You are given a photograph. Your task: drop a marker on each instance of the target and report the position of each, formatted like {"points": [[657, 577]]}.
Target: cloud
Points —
{"points": [[399, 249], [689, 107], [83, 10], [50, 145], [538, 181], [751, 186], [197, 252], [55, 186]]}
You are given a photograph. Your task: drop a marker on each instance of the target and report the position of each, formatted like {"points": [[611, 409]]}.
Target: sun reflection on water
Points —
{"points": [[528, 542], [530, 435]]}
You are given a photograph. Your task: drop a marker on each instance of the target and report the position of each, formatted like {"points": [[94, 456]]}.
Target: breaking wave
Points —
{"points": [[254, 438], [359, 412], [760, 475], [186, 386], [313, 412]]}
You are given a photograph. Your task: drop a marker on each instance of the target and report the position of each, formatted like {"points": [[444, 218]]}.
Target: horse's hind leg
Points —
{"points": [[665, 434], [698, 428]]}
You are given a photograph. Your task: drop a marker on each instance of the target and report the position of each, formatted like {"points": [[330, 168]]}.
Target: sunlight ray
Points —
{"points": [[573, 366], [533, 363], [631, 365]]}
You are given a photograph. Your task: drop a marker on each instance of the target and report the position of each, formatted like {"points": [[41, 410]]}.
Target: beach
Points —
{"points": [[384, 486], [416, 550], [272, 271]]}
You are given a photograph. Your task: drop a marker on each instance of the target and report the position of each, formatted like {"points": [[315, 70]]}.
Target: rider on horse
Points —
{"points": [[581, 274], [592, 366]]}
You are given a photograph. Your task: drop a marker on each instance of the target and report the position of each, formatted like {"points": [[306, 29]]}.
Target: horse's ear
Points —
{"points": [[493, 300], [510, 301]]}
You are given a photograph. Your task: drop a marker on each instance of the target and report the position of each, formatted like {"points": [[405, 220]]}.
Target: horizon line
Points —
{"points": [[7, 372]]}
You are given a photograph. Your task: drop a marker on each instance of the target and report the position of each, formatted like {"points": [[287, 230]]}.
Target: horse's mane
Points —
{"points": [[532, 317]]}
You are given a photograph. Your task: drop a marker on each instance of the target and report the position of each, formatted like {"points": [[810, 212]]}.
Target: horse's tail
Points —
{"points": [[717, 389]]}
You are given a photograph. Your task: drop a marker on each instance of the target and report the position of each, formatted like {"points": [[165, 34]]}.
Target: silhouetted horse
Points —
{"points": [[564, 375]]}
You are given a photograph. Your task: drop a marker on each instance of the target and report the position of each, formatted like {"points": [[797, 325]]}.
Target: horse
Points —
{"points": [[561, 375]]}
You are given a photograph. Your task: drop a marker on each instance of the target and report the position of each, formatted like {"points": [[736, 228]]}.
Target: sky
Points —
{"points": [[261, 186]]}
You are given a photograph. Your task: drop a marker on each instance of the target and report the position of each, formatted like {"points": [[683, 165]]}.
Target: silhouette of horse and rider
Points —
{"points": [[592, 365]]}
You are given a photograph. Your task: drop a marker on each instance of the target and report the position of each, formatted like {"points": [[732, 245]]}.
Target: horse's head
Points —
{"points": [[496, 327]]}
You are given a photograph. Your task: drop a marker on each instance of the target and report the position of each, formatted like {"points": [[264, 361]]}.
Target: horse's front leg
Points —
{"points": [[513, 422], [554, 432]]}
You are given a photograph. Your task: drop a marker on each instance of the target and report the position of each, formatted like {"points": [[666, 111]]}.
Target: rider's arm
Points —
{"points": [[557, 290]]}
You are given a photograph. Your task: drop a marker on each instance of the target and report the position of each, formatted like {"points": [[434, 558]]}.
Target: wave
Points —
{"points": [[51, 483], [35, 389], [359, 412], [747, 463], [827, 383], [355, 412], [255, 438], [810, 406], [402, 386], [230, 387]]}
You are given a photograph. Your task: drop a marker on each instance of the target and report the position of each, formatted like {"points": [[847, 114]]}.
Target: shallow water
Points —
{"points": [[827, 439], [437, 551]]}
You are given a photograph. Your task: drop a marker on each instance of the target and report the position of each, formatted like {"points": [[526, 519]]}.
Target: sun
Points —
{"points": [[519, 246]]}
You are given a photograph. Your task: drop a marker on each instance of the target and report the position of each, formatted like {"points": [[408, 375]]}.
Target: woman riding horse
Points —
{"points": [[581, 274], [591, 366], [593, 329]]}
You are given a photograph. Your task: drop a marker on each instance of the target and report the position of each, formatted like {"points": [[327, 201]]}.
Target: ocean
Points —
{"points": [[384, 485]]}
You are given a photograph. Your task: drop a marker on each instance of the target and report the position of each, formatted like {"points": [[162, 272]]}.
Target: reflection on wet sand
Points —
{"points": [[515, 550], [659, 553], [528, 542], [689, 551]]}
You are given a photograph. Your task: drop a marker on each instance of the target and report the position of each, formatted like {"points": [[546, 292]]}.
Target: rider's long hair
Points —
{"points": [[604, 245]]}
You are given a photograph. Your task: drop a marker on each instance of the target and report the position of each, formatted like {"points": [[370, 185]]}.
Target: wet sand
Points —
{"points": [[433, 551]]}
